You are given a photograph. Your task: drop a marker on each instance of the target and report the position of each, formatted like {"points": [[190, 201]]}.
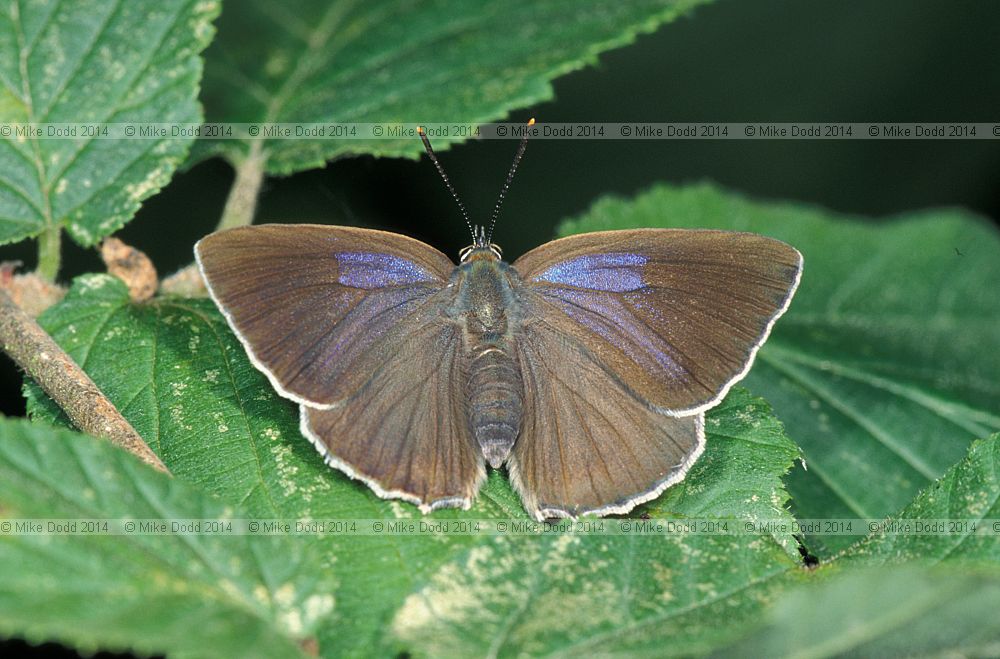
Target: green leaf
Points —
{"points": [[879, 369], [568, 596], [917, 592], [400, 61], [904, 611], [727, 481], [214, 419], [188, 595], [868, 611], [94, 61], [968, 494]]}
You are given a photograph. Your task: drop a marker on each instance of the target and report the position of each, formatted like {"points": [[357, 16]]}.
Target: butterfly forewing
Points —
{"points": [[318, 308], [675, 315], [350, 323]]}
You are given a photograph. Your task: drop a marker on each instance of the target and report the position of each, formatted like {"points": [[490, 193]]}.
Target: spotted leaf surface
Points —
{"points": [[82, 64]]}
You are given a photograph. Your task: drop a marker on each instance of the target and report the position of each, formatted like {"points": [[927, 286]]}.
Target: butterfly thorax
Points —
{"points": [[487, 308]]}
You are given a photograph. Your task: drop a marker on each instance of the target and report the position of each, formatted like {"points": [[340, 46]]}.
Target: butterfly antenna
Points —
{"points": [[444, 177], [510, 177]]}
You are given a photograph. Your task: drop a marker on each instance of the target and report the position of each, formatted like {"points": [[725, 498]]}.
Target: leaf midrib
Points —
{"points": [[27, 99], [939, 407], [856, 416]]}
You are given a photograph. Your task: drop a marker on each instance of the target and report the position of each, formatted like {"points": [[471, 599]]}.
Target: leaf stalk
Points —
{"points": [[49, 252], [241, 205]]}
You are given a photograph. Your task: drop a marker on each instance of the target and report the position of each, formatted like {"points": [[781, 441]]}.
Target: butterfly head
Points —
{"points": [[482, 246]]}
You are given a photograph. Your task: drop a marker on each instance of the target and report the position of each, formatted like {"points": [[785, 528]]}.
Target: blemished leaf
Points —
{"points": [[187, 595], [569, 596], [103, 62], [400, 61], [190, 390], [880, 370]]}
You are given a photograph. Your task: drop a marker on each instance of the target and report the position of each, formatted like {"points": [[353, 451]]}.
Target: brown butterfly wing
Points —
{"points": [[319, 308], [676, 315], [587, 444], [405, 433]]}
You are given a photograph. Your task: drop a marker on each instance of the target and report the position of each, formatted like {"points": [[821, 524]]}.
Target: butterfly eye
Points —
{"points": [[464, 254], [496, 250]]}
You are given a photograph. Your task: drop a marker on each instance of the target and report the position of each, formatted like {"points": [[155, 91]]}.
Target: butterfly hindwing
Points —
{"points": [[405, 433], [587, 444]]}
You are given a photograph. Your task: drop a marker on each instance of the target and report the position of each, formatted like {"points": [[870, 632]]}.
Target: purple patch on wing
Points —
{"points": [[373, 317], [378, 270], [614, 319], [615, 272]]}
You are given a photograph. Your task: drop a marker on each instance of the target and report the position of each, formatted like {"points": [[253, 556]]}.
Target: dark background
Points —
{"points": [[767, 60]]}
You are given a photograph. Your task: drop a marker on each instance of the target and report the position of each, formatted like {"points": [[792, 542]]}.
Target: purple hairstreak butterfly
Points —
{"points": [[585, 366]]}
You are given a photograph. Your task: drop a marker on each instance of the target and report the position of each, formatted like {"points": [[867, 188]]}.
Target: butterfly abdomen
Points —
{"points": [[495, 402], [489, 313]]}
